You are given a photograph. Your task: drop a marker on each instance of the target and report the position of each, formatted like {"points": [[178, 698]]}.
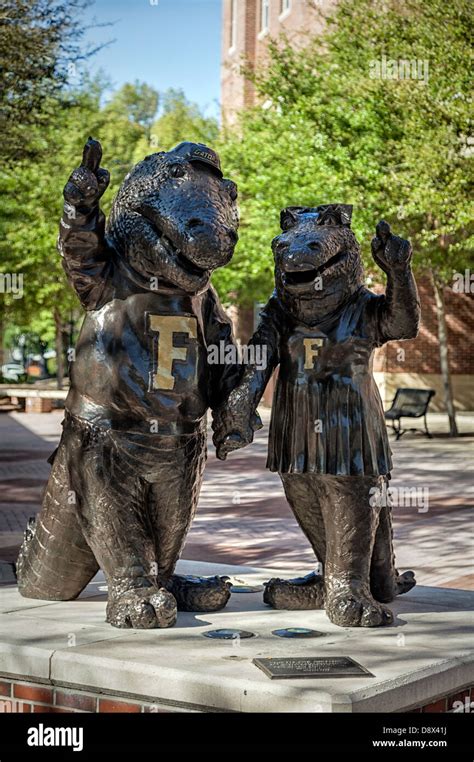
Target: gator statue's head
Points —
{"points": [[175, 217], [317, 260]]}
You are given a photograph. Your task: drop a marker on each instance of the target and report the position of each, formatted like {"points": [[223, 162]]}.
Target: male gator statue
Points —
{"points": [[126, 476], [328, 439]]}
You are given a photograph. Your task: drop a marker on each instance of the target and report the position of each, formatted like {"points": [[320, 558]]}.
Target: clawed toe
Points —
{"points": [[199, 593], [143, 609], [295, 594], [357, 609], [385, 588], [405, 582]]}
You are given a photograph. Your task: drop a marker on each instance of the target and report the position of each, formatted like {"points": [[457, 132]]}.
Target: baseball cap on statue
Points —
{"points": [[199, 152]]}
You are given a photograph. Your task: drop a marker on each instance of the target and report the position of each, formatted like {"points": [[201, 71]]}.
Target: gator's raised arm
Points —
{"points": [[81, 240], [399, 309]]}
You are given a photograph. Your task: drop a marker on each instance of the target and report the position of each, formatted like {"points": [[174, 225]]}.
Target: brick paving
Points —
{"points": [[243, 517]]}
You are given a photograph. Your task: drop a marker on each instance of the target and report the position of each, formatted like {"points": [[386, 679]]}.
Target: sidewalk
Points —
{"points": [[243, 517]]}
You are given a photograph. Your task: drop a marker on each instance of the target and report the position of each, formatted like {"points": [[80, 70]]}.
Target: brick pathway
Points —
{"points": [[243, 517]]}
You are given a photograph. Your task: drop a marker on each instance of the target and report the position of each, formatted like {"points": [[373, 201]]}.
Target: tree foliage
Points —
{"points": [[32, 191], [334, 125], [178, 119], [32, 194], [139, 101], [40, 40]]}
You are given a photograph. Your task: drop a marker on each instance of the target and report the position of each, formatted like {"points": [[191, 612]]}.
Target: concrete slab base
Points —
{"points": [[425, 657]]}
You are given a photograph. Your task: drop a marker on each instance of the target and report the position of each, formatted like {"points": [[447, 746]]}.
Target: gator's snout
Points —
{"points": [[317, 258], [302, 257], [176, 216], [206, 240], [210, 242]]}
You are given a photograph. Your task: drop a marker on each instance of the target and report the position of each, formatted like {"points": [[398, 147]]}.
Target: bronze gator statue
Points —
{"points": [[328, 439], [126, 476]]}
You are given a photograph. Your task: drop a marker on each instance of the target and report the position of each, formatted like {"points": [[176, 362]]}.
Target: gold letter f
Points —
{"points": [[166, 326]]}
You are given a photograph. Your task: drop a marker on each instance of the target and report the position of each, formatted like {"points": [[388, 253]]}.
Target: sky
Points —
{"points": [[166, 43]]}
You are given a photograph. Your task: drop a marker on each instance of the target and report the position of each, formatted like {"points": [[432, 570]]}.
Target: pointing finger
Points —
{"points": [[92, 155], [383, 231]]}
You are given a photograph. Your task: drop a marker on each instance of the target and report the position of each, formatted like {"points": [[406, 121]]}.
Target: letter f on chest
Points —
{"points": [[166, 327], [311, 351]]}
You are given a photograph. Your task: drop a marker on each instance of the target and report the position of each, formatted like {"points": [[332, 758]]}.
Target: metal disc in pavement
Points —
{"points": [[297, 632], [228, 634]]}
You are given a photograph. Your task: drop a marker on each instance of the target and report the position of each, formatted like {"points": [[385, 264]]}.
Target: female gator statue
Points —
{"points": [[328, 439]]}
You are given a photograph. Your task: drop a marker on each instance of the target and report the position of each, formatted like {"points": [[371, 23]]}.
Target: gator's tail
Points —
{"points": [[55, 563]]}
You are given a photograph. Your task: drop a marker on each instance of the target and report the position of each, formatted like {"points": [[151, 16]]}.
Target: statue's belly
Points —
{"points": [[142, 359]]}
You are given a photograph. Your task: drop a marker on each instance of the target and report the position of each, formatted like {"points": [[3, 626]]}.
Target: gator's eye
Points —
{"points": [[231, 189], [177, 170]]}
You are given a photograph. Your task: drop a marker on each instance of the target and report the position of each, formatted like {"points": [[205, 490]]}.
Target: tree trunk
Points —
{"points": [[59, 345], [443, 354], [2, 347]]}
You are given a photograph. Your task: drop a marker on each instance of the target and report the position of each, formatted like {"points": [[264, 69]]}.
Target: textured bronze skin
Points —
{"points": [[126, 476], [328, 439]]}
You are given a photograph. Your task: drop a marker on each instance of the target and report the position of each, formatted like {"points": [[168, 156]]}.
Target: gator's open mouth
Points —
{"points": [[309, 275], [186, 263], [181, 260]]}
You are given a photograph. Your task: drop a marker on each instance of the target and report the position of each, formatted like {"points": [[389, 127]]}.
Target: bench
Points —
{"points": [[36, 400], [409, 403]]}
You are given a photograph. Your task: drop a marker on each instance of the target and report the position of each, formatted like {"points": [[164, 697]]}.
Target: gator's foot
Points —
{"points": [[199, 593], [405, 582], [143, 608], [298, 593], [350, 604], [385, 589]]}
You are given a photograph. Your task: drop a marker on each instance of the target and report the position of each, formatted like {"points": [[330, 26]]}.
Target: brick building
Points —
{"points": [[418, 364], [247, 26]]}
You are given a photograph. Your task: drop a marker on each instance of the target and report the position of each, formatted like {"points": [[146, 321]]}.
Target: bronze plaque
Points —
{"points": [[311, 666]]}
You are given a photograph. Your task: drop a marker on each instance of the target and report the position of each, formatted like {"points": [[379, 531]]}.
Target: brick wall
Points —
{"points": [[251, 42], [29, 697], [236, 91], [21, 696], [422, 354]]}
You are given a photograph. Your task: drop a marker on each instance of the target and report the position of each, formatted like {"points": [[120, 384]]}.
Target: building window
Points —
{"points": [[264, 15], [285, 7], [233, 25]]}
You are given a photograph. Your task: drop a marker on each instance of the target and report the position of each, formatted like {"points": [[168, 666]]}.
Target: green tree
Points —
{"points": [[138, 101], [340, 120], [33, 196], [179, 119], [40, 40]]}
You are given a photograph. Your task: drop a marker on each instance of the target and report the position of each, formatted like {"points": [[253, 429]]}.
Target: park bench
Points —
{"points": [[36, 400], [409, 403]]}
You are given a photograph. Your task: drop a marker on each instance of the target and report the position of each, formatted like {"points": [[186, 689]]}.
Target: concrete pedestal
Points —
{"points": [[59, 656]]}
